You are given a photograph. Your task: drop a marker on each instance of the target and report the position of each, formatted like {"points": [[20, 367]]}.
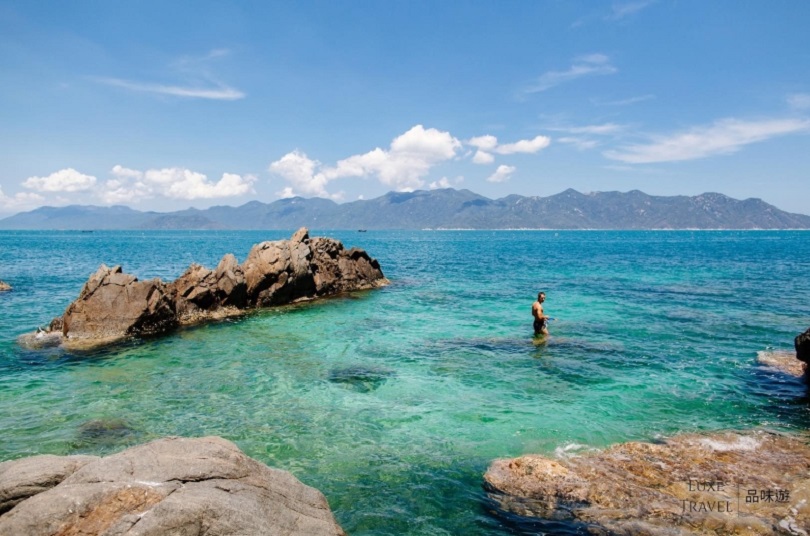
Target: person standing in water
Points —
{"points": [[540, 319]]}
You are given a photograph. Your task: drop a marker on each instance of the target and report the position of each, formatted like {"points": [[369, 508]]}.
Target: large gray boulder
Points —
{"points": [[190, 487], [113, 305]]}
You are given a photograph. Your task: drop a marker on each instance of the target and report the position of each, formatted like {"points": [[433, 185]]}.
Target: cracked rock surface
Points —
{"points": [[114, 305], [752, 483], [204, 486]]}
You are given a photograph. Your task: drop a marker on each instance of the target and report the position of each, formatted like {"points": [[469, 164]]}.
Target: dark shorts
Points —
{"points": [[539, 326]]}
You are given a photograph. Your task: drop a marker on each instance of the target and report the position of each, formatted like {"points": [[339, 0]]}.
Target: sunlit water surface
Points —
{"points": [[393, 402]]}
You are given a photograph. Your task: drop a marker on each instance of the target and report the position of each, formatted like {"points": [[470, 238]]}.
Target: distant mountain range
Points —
{"points": [[438, 209]]}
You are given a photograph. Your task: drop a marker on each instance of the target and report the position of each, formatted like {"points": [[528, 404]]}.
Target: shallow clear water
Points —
{"points": [[394, 401]]}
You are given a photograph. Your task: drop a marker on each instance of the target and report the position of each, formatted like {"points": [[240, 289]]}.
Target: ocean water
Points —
{"points": [[393, 402]]}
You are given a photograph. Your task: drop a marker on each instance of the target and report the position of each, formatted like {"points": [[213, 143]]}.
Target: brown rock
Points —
{"points": [[203, 486], [689, 484], [782, 360], [4, 286], [113, 305]]}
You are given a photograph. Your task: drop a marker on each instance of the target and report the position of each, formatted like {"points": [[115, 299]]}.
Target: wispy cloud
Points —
{"points": [[604, 128], [722, 137], [799, 101], [624, 102], [214, 93], [198, 80], [590, 65], [623, 10]]}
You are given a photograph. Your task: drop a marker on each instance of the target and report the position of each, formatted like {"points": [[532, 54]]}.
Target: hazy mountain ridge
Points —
{"points": [[438, 209]]}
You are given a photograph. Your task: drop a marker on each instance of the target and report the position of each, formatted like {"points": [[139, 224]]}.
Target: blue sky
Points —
{"points": [[166, 105]]}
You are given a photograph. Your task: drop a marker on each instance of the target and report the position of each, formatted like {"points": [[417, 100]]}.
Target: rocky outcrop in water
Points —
{"points": [[204, 486], [728, 483], [4, 286], [114, 305], [802, 344], [783, 360]]}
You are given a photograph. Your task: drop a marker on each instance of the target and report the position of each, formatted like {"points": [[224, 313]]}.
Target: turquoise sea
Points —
{"points": [[393, 402]]}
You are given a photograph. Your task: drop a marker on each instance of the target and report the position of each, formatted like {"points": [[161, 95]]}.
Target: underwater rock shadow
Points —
{"points": [[360, 378]]}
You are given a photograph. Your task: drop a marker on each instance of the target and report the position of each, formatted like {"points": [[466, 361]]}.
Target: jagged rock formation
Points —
{"points": [[727, 483], [114, 305], [204, 486], [4, 286]]}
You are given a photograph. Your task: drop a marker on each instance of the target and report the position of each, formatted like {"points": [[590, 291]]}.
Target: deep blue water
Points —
{"points": [[394, 401]]}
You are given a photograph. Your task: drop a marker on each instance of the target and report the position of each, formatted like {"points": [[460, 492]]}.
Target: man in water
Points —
{"points": [[540, 319]]}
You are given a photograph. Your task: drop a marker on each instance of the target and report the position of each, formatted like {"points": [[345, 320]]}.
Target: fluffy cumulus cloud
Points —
{"points": [[486, 145], [722, 137], [444, 182], [64, 180], [403, 166], [130, 185], [503, 173], [19, 201]]}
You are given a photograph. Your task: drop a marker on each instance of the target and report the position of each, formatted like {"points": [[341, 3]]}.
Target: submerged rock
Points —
{"points": [[204, 486], [727, 483], [113, 305], [103, 432], [783, 360], [4, 286], [359, 378]]}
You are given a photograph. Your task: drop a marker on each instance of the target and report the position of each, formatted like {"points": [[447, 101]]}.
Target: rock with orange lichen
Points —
{"points": [[688, 484], [194, 487]]}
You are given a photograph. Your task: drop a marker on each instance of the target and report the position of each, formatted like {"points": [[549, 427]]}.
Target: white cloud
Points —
{"points": [[723, 137], [580, 143], [799, 101], [485, 143], [441, 183], [218, 92], [624, 102], [198, 80], [64, 180], [21, 200], [131, 185], [482, 157], [403, 166], [626, 9], [503, 173], [590, 65], [524, 146], [488, 144], [603, 129]]}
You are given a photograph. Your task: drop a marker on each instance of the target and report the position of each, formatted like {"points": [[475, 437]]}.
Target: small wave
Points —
{"points": [[742, 443]]}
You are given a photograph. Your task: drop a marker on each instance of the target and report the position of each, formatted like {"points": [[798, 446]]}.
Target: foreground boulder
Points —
{"points": [[113, 305], [728, 483], [204, 486], [4, 286]]}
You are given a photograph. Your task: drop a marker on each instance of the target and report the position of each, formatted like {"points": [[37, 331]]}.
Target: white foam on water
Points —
{"points": [[742, 443]]}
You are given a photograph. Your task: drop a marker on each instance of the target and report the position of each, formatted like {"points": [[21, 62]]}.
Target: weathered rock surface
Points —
{"points": [[4, 286], [204, 486], [783, 360], [689, 484], [114, 305], [802, 344]]}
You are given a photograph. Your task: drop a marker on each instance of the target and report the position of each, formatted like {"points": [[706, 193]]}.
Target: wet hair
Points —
{"points": [[541, 293]]}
